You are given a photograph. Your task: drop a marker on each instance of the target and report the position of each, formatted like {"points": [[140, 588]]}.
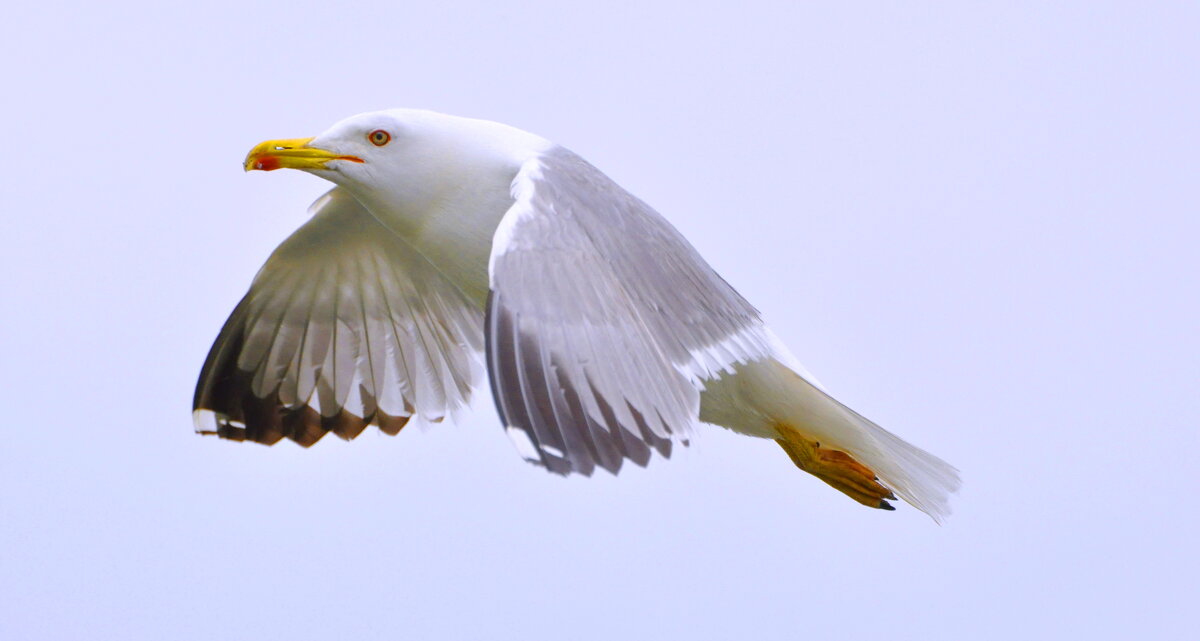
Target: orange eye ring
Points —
{"points": [[379, 137]]}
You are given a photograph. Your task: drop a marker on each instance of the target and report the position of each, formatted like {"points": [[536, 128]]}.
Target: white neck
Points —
{"points": [[453, 189]]}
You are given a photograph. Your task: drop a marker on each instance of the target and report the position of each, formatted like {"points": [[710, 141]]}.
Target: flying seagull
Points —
{"points": [[606, 335]]}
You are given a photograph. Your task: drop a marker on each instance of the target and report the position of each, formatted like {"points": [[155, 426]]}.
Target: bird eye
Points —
{"points": [[379, 137]]}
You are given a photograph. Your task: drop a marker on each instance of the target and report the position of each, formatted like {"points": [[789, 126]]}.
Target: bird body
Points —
{"points": [[606, 336]]}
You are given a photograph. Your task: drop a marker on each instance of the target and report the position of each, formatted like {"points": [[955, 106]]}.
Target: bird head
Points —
{"points": [[403, 156]]}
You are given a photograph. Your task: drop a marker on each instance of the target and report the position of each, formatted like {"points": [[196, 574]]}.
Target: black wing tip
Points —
{"points": [[303, 426]]}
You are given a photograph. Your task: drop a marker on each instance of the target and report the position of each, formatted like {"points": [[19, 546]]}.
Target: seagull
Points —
{"points": [[452, 245]]}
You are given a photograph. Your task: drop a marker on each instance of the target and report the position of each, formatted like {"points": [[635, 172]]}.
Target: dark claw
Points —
{"points": [[884, 505]]}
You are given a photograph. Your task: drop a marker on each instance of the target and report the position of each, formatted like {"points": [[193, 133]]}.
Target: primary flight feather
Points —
{"points": [[606, 335]]}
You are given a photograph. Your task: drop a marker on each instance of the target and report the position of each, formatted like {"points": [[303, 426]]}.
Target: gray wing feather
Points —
{"points": [[603, 321], [345, 325]]}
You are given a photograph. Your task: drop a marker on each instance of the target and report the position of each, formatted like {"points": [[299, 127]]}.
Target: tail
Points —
{"points": [[858, 457], [829, 440]]}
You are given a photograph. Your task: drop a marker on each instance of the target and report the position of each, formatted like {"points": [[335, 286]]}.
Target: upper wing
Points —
{"points": [[345, 325], [602, 321]]}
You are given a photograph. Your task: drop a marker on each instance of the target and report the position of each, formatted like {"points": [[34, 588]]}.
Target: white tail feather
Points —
{"points": [[764, 393], [923, 480]]}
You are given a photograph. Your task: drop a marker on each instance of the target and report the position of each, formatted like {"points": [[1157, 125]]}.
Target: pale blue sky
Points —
{"points": [[974, 222]]}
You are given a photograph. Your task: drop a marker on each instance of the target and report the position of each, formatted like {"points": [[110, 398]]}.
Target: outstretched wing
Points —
{"points": [[602, 321], [344, 326]]}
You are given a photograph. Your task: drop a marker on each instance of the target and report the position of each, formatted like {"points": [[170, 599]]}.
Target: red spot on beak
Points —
{"points": [[267, 163]]}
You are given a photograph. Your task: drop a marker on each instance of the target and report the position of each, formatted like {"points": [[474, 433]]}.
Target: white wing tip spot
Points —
{"points": [[525, 447], [205, 421]]}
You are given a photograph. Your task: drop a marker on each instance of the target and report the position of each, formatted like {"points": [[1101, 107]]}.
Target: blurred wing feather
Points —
{"points": [[345, 325]]}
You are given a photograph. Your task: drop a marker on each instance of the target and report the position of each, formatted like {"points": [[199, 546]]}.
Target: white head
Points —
{"points": [[406, 158]]}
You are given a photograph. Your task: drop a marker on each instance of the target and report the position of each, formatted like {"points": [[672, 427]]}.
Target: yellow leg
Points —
{"points": [[836, 468]]}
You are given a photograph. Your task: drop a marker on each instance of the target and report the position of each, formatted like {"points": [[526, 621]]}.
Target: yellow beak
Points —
{"points": [[293, 153]]}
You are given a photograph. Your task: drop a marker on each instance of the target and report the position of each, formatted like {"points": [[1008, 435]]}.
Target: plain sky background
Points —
{"points": [[975, 222]]}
